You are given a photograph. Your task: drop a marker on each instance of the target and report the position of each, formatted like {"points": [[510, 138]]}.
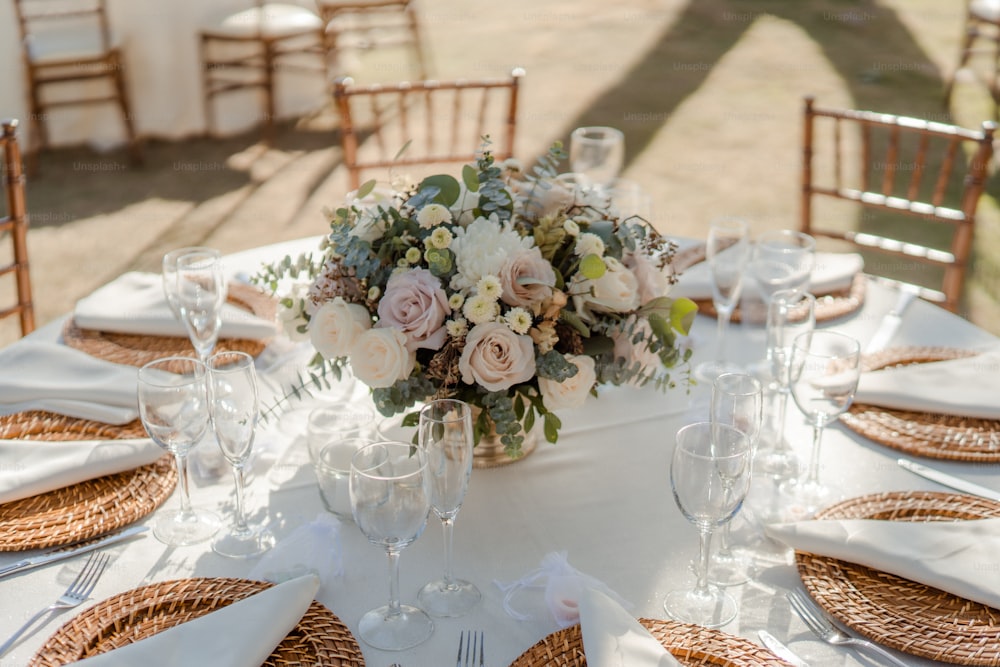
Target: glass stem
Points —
{"points": [[447, 530], [724, 550], [813, 475], [723, 316], [781, 405], [240, 521], [183, 481], [701, 566], [394, 609]]}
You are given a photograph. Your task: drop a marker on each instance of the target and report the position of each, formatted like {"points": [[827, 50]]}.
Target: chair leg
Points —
{"points": [[124, 103], [207, 93], [970, 36], [39, 139]]}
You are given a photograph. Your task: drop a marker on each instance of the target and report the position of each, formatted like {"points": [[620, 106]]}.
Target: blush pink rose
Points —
{"points": [[496, 358], [571, 392], [652, 281], [415, 304], [639, 352], [527, 278]]}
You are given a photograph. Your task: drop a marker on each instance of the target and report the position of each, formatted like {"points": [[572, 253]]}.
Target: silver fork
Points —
{"points": [[76, 594], [822, 627], [471, 642]]}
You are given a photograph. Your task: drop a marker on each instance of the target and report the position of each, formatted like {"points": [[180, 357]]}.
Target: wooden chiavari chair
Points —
{"points": [[917, 182], [366, 25], [982, 25], [14, 225], [431, 122]]}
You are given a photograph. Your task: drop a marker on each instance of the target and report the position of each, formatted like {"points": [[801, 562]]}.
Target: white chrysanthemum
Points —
{"points": [[433, 215], [479, 309], [489, 287], [571, 228], [456, 300], [518, 319], [482, 248], [457, 328], [413, 255], [440, 238], [588, 244]]}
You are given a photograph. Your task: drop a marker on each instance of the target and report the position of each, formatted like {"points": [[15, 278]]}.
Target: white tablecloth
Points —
{"points": [[601, 494], [163, 71]]}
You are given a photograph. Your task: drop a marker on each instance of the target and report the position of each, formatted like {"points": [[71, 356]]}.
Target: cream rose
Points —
{"points": [[496, 357], [528, 265], [336, 325], [571, 392], [653, 282], [617, 291], [634, 353], [415, 303], [379, 357]]}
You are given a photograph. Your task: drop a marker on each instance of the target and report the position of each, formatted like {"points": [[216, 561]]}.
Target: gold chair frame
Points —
{"points": [[15, 224]]}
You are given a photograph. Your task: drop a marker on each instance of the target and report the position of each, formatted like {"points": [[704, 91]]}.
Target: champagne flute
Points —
{"points": [[445, 435], [782, 259], [390, 501], [824, 372], [727, 252], [597, 154], [168, 275], [234, 407], [709, 476], [174, 411], [201, 291], [737, 401]]}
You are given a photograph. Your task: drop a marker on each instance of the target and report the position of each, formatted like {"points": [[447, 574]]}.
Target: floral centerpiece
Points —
{"points": [[519, 293]]}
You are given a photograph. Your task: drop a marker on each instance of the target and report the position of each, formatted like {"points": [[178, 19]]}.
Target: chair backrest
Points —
{"points": [[375, 24], [59, 18], [425, 122], [14, 225], [918, 184]]}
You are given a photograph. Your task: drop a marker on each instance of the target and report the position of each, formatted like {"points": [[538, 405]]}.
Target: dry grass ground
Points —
{"points": [[708, 92]]}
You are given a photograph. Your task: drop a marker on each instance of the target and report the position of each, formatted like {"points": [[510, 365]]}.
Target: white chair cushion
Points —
{"points": [[269, 20], [988, 10], [67, 44]]}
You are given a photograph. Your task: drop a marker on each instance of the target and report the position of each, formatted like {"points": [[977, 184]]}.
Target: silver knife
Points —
{"points": [[780, 650], [890, 323], [62, 553], [950, 481]]}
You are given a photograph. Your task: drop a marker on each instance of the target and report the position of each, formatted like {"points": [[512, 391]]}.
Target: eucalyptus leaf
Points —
{"points": [[470, 178], [366, 189]]}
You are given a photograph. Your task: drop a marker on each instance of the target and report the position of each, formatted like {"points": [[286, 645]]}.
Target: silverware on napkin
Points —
{"points": [[891, 321], [950, 481], [62, 553], [776, 647]]}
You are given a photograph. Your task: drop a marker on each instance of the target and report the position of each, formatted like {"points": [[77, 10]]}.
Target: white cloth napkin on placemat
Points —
{"points": [[613, 638], [242, 634], [833, 272], [31, 467], [134, 303], [954, 556], [967, 387], [49, 376]]}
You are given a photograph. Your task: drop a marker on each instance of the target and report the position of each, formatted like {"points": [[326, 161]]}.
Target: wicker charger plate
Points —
{"points": [[137, 350], [896, 612], [690, 644], [828, 306], [920, 433], [320, 638]]}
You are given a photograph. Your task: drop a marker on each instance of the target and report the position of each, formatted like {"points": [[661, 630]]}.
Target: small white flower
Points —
{"points": [[374, 292], [489, 287], [440, 238], [457, 328], [480, 309], [512, 165], [433, 215], [519, 320], [571, 228], [456, 300], [588, 244], [413, 256], [401, 263]]}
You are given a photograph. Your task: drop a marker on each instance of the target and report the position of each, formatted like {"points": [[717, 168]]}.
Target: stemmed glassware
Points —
{"points": [[597, 154], [200, 294], [824, 372], [390, 501], [727, 252], [737, 401], [709, 475], [173, 407], [783, 259], [234, 407], [445, 434], [168, 275]]}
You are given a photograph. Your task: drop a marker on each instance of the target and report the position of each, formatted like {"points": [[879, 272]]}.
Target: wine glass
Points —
{"points": [[597, 154], [390, 501], [168, 274], [727, 252], [737, 401], [782, 259], [234, 407], [201, 292], [173, 407], [709, 476], [824, 371], [445, 435]]}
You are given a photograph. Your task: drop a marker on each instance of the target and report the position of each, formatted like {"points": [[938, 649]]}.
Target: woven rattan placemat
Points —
{"points": [[136, 350], [896, 612], [320, 638], [690, 644], [828, 306], [921, 433]]}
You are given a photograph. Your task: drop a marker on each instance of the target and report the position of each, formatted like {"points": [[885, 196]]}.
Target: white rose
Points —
{"points": [[617, 291], [379, 357], [336, 325], [571, 392], [496, 357], [369, 226], [653, 282]]}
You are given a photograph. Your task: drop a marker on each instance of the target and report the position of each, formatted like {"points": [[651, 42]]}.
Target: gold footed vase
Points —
{"points": [[489, 453]]}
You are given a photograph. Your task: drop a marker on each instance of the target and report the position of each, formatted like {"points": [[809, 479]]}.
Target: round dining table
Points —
{"points": [[600, 496]]}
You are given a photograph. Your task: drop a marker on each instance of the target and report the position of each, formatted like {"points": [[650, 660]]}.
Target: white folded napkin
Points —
{"points": [[833, 272], [37, 375], [612, 638], [968, 387], [134, 303], [242, 634], [954, 556], [31, 467]]}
